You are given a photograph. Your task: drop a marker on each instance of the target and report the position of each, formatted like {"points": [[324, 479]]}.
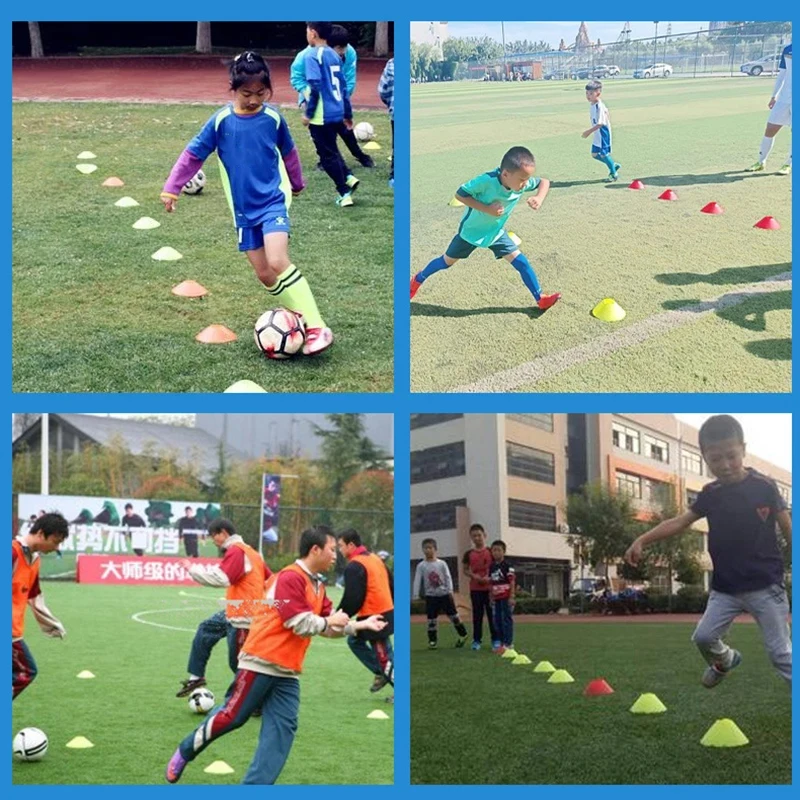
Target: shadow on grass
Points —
{"points": [[726, 275], [433, 310], [771, 349], [693, 180], [570, 184]]}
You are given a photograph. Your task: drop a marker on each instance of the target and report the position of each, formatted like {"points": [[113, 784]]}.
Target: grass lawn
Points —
{"points": [[593, 240], [92, 312], [130, 712], [475, 718]]}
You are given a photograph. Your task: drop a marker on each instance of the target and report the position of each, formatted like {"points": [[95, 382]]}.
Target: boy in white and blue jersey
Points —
{"points": [[490, 198], [328, 108], [780, 105], [600, 130]]}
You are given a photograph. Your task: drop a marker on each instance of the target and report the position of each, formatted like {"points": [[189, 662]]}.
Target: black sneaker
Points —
{"points": [[189, 685], [378, 684], [367, 162]]}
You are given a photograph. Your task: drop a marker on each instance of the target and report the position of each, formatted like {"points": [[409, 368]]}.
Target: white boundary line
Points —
{"points": [[552, 364], [136, 618], [208, 598]]}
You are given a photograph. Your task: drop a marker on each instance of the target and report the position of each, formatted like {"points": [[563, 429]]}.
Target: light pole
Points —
{"points": [[655, 43], [503, 37]]}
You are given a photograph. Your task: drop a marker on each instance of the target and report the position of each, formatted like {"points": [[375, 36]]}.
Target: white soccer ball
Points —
{"points": [[30, 744], [196, 184], [279, 333], [364, 132], [201, 701]]}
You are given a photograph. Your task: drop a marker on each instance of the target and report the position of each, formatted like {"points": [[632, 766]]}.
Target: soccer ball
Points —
{"points": [[201, 701], [30, 744], [279, 333], [364, 132], [196, 184]]}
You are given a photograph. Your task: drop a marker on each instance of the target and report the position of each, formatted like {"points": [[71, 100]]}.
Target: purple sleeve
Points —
{"points": [[185, 169], [294, 170]]}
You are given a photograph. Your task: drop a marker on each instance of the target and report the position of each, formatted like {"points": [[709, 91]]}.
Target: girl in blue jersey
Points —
{"points": [[260, 171]]}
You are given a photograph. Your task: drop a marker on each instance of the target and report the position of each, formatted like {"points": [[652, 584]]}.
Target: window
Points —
{"points": [[656, 449], [543, 421], [527, 462], [625, 438], [422, 420], [691, 462], [435, 516], [433, 463], [533, 516], [628, 484], [656, 492]]}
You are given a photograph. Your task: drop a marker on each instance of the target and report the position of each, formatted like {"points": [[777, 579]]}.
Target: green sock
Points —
{"points": [[292, 290]]}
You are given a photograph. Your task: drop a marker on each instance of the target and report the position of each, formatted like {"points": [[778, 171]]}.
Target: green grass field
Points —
{"points": [[94, 313], [130, 712], [474, 324], [475, 718]]}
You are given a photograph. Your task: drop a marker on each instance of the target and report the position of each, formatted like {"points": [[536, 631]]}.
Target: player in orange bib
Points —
{"points": [[45, 536], [294, 609]]}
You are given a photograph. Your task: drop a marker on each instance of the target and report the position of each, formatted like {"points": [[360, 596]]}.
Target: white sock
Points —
{"points": [[766, 149], [195, 677]]}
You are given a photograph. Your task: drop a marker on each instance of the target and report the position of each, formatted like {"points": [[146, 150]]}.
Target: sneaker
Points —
{"points": [[378, 684], [612, 178], [344, 200], [461, 641], [415, 284], [786, 169], [175, 767], [317, 340], [352, 183], [716, 672], [548, 300], [367, 162], [189, 685], [391, 186], [476, 645], [499, 650], [757, 167], [432, 645], [496, 646]]}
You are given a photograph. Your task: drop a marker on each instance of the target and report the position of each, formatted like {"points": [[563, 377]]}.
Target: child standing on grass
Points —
{"points": [[742, 507], [601, 129], [477, 562], [503, 591], [490, 198], [432, 579], [260, 171]]}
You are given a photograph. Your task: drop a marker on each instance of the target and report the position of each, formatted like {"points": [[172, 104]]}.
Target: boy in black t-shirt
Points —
{"points": [[503, 591], [742, 507]]}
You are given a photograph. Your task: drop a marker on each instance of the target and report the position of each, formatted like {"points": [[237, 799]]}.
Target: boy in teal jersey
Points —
{"points": [[490, 198]]}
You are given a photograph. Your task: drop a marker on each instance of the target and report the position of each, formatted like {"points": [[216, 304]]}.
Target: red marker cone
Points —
{"points": [[637, 184], [668, 194], [712, 208], [768, 224], [596, 687], [113, 182], [216, 334]]}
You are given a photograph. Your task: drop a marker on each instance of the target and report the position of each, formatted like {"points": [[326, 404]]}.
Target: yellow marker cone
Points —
{"points": [[377, 714], [126, 202], [86, 674], [86, 154], [724, 733], [371, 146], [608, 310], [521, 659], [648, 704], [166, 254], [509, 652], [514, 238], [86, 169], [218, 768], [241, 387], [455, 203], [79, 743], [544, 666], [146, 224], [561, 676]]}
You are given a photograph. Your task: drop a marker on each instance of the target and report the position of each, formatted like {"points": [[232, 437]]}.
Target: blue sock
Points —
{"points": [[435, 266], [610, 163], [521, 265]]}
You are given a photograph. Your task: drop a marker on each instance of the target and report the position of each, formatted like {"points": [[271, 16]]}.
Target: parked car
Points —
{"points": [[556, 75], [755, 68], [581, 74], [654, 71], [612, 69]]}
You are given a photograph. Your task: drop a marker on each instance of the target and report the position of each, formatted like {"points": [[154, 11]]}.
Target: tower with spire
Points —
{"points": [[582, 41]]}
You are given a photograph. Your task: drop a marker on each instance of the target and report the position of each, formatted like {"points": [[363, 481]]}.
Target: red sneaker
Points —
{"points": [[548, 300], [317, 340], [415, 284]]}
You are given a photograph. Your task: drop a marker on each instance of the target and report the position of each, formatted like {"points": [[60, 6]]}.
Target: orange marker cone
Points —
{"points": [[216, 334], [668, 194], [113, 182], [597, 687], [637, 184], [712, 208], [768, 224], [189, 289]]}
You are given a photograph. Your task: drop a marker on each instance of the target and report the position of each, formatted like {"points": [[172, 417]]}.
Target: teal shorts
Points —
{"points": [[461, 248]]}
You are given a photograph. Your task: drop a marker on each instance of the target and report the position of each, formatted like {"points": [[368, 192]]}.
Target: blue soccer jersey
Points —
{"points": [[598, 113], [251, 150], [328, 99], [482, 229]]}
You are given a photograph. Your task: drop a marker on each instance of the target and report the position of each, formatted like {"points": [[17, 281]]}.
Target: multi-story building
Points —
{"points": [[513, 472]]}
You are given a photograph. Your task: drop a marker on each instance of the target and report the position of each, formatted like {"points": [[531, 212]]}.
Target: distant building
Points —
{"points": [[717, 26]]}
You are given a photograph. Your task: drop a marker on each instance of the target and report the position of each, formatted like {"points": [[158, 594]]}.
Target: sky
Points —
{"points": [[554, 32], [768, 436]]}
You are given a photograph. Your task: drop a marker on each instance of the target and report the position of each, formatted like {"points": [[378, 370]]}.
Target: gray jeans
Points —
{"points": [[770, 609]]}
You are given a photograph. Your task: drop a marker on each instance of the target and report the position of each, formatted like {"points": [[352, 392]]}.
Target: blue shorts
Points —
{"points": [[461, 248], [253, 238], [600, 151]]}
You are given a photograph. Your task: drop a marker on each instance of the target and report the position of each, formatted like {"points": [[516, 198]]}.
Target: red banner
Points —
{"points": [[135, 569]]}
